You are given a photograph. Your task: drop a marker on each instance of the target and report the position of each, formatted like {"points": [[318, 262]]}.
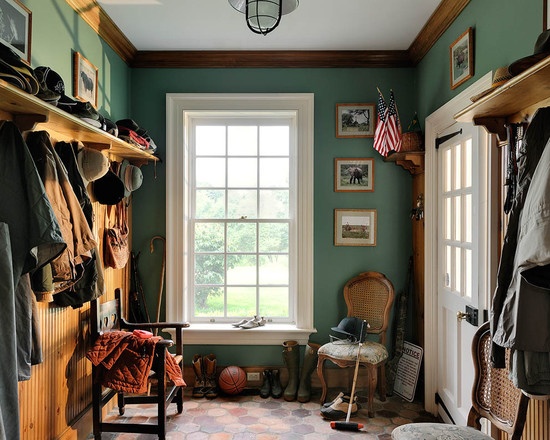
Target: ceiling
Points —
{"points": [[161, 25], [319, 33]]}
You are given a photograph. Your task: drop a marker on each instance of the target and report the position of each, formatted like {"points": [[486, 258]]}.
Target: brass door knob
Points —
{"points": [[461, 315]]}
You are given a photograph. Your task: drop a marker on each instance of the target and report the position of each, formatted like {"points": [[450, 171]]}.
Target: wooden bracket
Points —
{"points": [[27, 122], [412, 161], [495, 125]]}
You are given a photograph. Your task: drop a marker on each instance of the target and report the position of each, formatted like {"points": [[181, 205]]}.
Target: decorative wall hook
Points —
{"points": [[417, 213]]}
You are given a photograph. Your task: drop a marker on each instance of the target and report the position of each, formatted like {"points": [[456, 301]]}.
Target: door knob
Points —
{"points": [[461, 315]]}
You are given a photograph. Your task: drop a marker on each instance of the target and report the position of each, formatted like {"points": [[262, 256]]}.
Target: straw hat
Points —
{"points": [[500, 77]]}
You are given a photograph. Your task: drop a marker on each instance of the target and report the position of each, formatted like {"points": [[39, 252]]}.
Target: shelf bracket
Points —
{"points": [[27, 122], [494, 125]]}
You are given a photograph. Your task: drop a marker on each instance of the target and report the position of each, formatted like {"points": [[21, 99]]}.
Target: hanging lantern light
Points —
{"points": [[262, 16]]}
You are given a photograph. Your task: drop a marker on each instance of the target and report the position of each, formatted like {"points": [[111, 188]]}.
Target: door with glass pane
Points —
{"points": [[458, 266]]}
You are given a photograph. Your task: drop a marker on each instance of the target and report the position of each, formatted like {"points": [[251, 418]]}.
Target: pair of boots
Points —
{"points": [[271, 385], [204, 368], [299, 383]]}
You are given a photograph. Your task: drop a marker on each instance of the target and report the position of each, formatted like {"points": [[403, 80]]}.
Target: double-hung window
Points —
{"points": [[239, 215]]}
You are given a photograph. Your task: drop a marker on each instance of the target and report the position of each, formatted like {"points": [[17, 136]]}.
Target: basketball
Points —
{"points": [[232, 380]]}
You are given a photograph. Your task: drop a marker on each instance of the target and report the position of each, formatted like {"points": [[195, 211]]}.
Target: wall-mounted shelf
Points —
{"points": [[412, 161], [514, 101], [31, 113]]}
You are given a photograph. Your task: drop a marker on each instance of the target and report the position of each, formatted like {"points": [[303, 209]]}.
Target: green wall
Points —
{"points": [[504, 32]]}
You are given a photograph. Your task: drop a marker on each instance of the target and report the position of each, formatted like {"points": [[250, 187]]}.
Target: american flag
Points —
{"points": [[393, 126], [380, 143]]}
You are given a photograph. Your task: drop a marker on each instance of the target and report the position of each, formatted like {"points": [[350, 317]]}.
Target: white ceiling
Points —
{"points": [[314, 25]]}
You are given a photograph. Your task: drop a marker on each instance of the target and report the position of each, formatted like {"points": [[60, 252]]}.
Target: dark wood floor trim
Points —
{"points": [[441, 19], [271, 59]]}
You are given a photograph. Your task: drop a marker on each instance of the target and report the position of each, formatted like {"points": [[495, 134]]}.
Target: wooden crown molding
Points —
{"points": [[441, 19]]}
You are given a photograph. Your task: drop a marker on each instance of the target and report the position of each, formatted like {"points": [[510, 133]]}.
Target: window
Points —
{"points": [[239, 215]]}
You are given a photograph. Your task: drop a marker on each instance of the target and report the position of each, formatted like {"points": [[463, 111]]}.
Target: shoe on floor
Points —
{"points": [[339, 409]]}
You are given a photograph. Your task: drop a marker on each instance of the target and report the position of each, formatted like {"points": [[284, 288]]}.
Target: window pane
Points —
{"points": [[448, 266], [458, 270], [210, 140], [242, 173], [447, 170], [274, 204], [273, 237], [242, 141], [468, 218], [209, 237], [241, 269], [209, 269], [457, 168], [274, 301], [241, 301], [274, 141], [242, 204], [468, 273], [274, 269], [274, 173], [210, 172], [241, 237], [468, 163], [458, 218], [208, 301], [210, 204]]}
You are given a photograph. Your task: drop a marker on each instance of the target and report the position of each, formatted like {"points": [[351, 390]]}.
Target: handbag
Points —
{"points": [[116, 250]]}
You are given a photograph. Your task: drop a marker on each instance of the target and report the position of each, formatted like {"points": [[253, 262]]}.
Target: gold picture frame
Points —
{"points": [[355, 227], [353, 174], [461, 54], [85, 78]]}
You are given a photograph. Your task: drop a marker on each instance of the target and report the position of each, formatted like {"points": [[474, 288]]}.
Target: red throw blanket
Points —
{"points": [[126, 360]]}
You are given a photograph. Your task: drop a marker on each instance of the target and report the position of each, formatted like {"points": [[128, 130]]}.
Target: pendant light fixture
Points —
{"points": [[262, 16]]}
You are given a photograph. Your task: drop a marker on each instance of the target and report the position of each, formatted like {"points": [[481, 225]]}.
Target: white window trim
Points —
{"points": [[177, 105]]}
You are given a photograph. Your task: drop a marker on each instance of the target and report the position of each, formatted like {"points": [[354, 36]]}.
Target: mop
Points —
{"points": [[347, 425]]}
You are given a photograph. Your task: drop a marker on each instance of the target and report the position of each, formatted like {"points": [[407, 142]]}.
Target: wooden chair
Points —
{"points": [[369, 296], [494, 397], [108, 317]]}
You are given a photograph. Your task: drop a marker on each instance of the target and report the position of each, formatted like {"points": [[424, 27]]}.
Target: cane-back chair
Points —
{"points": [[164, 380], [369, 296], [494, 397]]}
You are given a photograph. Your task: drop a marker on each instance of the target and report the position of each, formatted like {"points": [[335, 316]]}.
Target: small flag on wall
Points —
{"points": [[388, 133]]}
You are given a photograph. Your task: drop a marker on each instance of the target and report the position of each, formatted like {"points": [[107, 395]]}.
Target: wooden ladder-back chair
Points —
{"points": [[107, 323], [494, 397], [369, 296]]}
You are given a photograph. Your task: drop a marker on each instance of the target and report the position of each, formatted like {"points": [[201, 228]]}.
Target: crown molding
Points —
{"points": [[101, 23]]}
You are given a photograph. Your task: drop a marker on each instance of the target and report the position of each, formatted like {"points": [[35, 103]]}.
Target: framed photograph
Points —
{"points": [[462, 58], [355, 227], [85, 76], [355, 120], [545, 14], [15, 28], [353, 174]]}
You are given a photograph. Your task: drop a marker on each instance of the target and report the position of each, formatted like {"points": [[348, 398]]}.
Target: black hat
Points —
{"points": [[16, 72], [542, 50], [109, 189], [354, 328]]}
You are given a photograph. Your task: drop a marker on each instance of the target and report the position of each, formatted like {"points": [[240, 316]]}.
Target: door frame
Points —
{"points": [[435, 124]]}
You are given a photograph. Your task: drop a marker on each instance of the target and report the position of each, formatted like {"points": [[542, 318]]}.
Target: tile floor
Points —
{"points": [[249, 417]]}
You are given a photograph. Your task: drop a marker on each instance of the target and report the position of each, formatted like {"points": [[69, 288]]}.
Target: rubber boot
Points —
{"points": [[291, 357], [276, 387], [265, 389], [210, 382], [309, 364], [198, 388]]}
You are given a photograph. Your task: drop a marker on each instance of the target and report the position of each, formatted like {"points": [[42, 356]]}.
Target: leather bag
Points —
{"points": [[116, 249]]}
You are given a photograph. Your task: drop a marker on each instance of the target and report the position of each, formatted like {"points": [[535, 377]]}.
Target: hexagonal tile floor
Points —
{"points": [[249, 417]]}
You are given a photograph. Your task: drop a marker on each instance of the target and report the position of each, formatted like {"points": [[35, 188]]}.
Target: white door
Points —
{"points": [[460, 264]]}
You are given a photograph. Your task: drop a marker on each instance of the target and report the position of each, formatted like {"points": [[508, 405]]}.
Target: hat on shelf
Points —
{"points": [[500, 77], [132, 132], [92, 164], [131, 176], [109, 189], [542, 50], [15, 71]]}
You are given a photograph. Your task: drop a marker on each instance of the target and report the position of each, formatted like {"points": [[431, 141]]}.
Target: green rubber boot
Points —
{"points": [[291, 357], [308, 366]]}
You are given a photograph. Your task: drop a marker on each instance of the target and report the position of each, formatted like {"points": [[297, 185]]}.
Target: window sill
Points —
{"points": [[225, 334]]}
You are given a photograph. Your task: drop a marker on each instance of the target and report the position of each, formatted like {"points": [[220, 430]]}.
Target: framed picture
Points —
{"points": [[355, 227], [462, 58], [353, 174], [545, 14], [15, 28], [85, 80], [355, 120]]}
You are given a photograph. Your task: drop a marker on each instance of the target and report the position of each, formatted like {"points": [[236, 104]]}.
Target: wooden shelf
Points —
{"points": [[31, 113], [514, 101], [412, 161]]}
